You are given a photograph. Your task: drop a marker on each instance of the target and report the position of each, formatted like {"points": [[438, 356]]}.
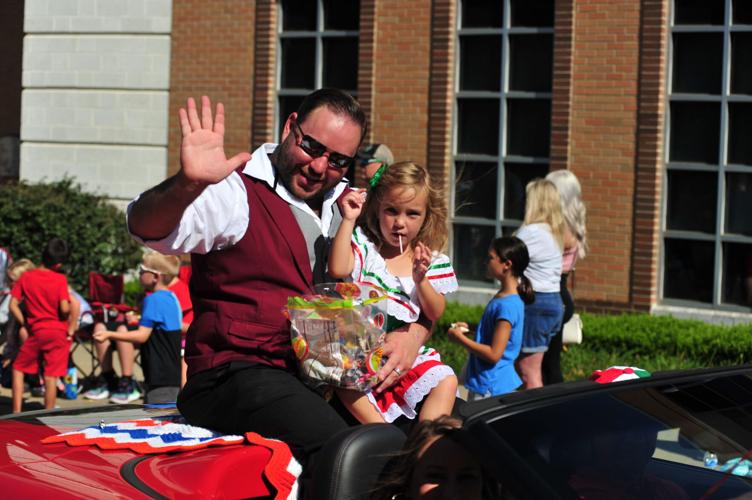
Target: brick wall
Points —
{"points": [[649, 168], [561, 101], [212, 54], [441, 93], [399, 112], [264, 92], [603, 142]]}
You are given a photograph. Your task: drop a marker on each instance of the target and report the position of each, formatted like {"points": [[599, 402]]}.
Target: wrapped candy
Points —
{"points": [[337, 333]]}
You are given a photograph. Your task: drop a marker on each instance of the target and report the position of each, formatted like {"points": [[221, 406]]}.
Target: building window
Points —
{"points": [[707, 223], [318, 47], [502, 121]]}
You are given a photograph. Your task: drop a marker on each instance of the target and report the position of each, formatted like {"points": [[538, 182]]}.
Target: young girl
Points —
{"points": [[398, 225], [490, 368], [438, 460], [543, 233]]}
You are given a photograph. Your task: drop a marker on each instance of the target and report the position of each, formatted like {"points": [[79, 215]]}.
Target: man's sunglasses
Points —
{"points": [[315, 149]]}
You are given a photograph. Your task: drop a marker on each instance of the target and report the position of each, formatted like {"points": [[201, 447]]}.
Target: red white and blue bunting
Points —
{"points": [[172, 434]]}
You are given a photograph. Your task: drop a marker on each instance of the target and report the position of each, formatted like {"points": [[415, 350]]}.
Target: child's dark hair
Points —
{"points": [[54, 253], [398, 472], [514, 250]]}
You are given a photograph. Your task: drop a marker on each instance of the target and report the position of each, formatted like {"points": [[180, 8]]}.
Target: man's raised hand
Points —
{"points": [[202, 154]]}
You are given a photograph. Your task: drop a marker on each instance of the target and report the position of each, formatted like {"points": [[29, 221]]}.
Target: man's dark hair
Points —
{"points": [[55, 252], [337, 101]]}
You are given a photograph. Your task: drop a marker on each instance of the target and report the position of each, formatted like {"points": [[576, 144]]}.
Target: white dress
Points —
{"points": [[403, 307]]}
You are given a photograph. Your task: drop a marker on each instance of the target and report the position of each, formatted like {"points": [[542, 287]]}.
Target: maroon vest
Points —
{"points": [[238, 293]]}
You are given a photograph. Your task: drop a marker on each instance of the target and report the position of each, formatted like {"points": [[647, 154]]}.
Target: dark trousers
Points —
{"points": [[551, 367], [239, 397]]}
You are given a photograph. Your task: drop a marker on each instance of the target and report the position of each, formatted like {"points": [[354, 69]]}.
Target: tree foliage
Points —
{"points": [[94, 229]]}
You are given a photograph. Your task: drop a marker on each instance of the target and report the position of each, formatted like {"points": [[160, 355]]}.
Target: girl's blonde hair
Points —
{"points": [[406, 175], [572, 207], [19, 267], [544, 205]]}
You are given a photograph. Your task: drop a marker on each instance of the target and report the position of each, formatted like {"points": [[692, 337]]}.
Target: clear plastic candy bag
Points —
{"points": [[337, 333]]}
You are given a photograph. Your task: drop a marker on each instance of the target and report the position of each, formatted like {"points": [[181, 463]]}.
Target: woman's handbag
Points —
{"points": [[572, 333]]}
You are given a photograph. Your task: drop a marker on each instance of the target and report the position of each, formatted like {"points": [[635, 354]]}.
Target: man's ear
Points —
{"points": [[287, 129]]}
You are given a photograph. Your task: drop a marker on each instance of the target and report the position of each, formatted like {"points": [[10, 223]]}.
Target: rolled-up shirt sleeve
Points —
{"points": [[217, 219]]}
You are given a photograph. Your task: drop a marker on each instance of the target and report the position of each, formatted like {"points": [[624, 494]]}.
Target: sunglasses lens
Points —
{"points": [[312, 147], [315, 149], [339, 161]]}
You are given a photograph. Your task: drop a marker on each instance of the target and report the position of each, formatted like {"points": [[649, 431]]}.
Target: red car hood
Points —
{"points": [[29, 468]]}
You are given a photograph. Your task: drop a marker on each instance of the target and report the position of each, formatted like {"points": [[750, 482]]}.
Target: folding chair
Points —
{"points": [[82, 339], [107, 304]]}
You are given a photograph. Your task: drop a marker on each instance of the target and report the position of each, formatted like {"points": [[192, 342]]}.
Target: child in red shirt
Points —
{"points": [[44, 291]]}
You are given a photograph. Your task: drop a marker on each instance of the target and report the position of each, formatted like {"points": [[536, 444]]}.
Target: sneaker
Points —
{"points": [[99, 389], [98, 392], [127, 392]]}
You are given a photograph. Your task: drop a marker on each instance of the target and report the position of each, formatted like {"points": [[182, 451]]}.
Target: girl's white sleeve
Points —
{"points": [[441, 274]]}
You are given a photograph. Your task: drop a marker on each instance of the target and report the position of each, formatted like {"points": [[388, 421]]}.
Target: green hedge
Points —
{"points": [[654, 343], [645, 335], [94, 230]]}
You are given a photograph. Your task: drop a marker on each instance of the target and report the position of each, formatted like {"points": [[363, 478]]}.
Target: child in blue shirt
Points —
{"points": [[490, 368], [159, 329]]}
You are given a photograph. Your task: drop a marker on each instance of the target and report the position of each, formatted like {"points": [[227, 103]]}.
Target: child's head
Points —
{"points": [[435, 461], [403, 203], [156, 267], [544, 205], [19, 267], [55, 253], [513, 250]]}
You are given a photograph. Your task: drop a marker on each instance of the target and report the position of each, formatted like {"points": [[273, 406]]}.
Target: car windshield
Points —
{"points": [[689, 440]]}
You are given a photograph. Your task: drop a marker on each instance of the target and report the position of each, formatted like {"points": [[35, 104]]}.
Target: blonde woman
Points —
{"points": [[543, 232], [575, 247]]}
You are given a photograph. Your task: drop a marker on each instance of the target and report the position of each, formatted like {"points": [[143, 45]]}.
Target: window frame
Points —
{"points": [[319, 35], [721, 168], [501, 223]]}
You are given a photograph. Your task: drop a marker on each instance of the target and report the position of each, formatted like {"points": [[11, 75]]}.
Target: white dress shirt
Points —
{"points": [[219, 217]]}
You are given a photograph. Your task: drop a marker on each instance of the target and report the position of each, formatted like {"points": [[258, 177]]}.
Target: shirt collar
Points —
{"points": [[260, 167]]}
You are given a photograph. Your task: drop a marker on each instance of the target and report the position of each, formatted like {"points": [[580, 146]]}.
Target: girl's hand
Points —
{"points": [[352, 204], [457, 331], [421, 261], [101, 336]]}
